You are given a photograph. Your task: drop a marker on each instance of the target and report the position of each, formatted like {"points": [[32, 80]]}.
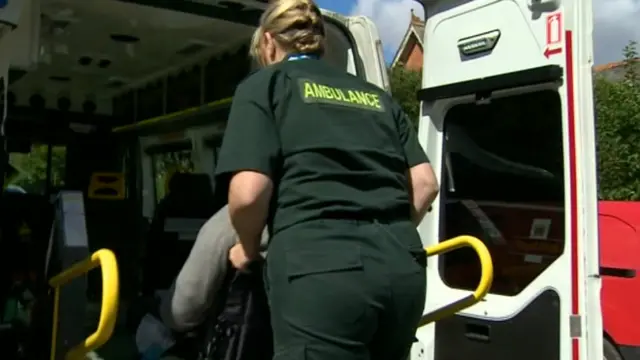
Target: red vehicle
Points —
{"points": [[619, 265]]}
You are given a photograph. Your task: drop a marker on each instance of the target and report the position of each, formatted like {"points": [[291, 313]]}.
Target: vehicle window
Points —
{"points": [[165, 164], [504, 184], [28, 172]]}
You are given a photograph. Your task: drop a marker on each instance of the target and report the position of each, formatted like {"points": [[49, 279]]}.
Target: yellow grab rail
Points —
{"points": [[109, 310], [214, 105], [486, 278]]}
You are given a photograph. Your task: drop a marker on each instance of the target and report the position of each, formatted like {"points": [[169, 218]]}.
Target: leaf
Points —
{"points": [[404, 88], [617, 107]]}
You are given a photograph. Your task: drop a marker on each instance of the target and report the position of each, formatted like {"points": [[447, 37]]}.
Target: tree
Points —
{"points": [[166, 164], [404, 88], [617, 106], [630, 53], [32, 168]]}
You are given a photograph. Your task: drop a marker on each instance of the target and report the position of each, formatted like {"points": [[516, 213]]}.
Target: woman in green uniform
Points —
{"points": [[332, 166]]}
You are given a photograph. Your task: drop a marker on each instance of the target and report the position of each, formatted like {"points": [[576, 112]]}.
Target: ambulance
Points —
{"points": [[128, 91]]}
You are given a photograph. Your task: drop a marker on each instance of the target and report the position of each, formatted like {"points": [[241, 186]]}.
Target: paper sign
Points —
{"points": [[540, 229]]}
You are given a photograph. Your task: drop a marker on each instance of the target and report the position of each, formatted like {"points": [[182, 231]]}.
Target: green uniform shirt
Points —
{"points": [[334, 145]]}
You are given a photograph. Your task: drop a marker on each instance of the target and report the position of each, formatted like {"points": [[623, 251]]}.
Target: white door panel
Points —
{"points": [[524, 77]]}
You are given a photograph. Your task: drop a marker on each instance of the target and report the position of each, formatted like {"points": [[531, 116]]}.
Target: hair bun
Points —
{"points": [[296, 24]]}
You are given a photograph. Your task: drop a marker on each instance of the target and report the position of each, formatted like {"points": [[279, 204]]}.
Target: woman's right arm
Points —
{"points": [[424, 190], [423, 184]]}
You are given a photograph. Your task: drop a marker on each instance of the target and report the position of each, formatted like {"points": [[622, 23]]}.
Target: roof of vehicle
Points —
{"points": [[95, 50], [103, 47]]}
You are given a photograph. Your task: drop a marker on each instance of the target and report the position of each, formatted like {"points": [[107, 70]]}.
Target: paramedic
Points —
{"points": [[334, 168]]}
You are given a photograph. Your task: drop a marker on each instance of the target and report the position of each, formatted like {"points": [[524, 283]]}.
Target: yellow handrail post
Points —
{"points": [[486, 277], [106, 260]]}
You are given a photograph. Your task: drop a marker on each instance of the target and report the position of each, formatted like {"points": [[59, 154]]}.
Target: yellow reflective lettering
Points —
{"points": [[374, 100], [312, 92], [335, 92], [341, 96], [308, 90], [331, 91], [353, 97], [326, 92], [317, 90], [362, 97]]}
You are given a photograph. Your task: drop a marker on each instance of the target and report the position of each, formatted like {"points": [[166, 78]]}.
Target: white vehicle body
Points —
{"points": [[507, 121]]}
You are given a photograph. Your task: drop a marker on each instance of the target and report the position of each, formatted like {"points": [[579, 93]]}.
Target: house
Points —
{"points": [[410, 52], [612, 71]]}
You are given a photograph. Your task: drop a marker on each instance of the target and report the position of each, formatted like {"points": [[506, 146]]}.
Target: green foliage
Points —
{"points": [[404, 88], [630, 53], [32, 168], [166, 164], [618, 128]]}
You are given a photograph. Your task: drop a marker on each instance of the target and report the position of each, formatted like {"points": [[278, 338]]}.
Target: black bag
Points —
{"points": [[241, 329]]}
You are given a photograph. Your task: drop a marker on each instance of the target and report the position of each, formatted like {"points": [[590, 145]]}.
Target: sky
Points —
{"points": [[615, 22]]}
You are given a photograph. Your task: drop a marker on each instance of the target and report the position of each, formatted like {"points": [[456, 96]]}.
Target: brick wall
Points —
{"points": [[414, 59]]}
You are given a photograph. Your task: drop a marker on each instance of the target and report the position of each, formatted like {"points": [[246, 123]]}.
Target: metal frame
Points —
{"points": [[106, 260], [486, 277], [68, 249]]}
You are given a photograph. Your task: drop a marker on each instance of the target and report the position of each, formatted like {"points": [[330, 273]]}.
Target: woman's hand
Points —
{"points": [[239, 258]]}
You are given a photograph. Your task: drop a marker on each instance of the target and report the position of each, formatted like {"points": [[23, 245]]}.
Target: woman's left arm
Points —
{"points": [[249, 198], [250, 156]]}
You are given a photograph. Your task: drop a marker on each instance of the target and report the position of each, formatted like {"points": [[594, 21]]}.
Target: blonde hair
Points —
{"points": [[296, 25]]}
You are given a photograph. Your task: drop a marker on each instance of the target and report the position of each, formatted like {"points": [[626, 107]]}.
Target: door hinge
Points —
{"points": [[575, 326]]}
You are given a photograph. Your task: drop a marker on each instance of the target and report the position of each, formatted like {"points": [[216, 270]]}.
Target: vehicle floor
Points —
{"points": [[121, 345]]}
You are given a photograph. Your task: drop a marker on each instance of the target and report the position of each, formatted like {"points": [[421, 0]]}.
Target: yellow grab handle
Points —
{"points": [[106, 260], [486, 277]]}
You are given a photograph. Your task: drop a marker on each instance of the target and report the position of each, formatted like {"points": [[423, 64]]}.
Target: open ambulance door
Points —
{"points": [[367, 42], [507, 121]]}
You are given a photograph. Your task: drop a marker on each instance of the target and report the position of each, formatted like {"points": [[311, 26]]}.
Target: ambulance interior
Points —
{"points": [[126, 92], [503, 182]]}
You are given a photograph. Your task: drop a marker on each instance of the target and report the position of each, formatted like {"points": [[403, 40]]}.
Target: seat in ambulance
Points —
{"points": [[174, 227]]}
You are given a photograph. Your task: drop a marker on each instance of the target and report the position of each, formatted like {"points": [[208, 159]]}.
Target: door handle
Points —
{"points": [[477, 332]]}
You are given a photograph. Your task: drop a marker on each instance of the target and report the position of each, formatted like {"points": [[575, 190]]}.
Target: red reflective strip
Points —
{"points": [[575, 304]]}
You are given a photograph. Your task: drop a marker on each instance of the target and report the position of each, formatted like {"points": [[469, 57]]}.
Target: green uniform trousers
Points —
{"points": [[345, 290]]}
